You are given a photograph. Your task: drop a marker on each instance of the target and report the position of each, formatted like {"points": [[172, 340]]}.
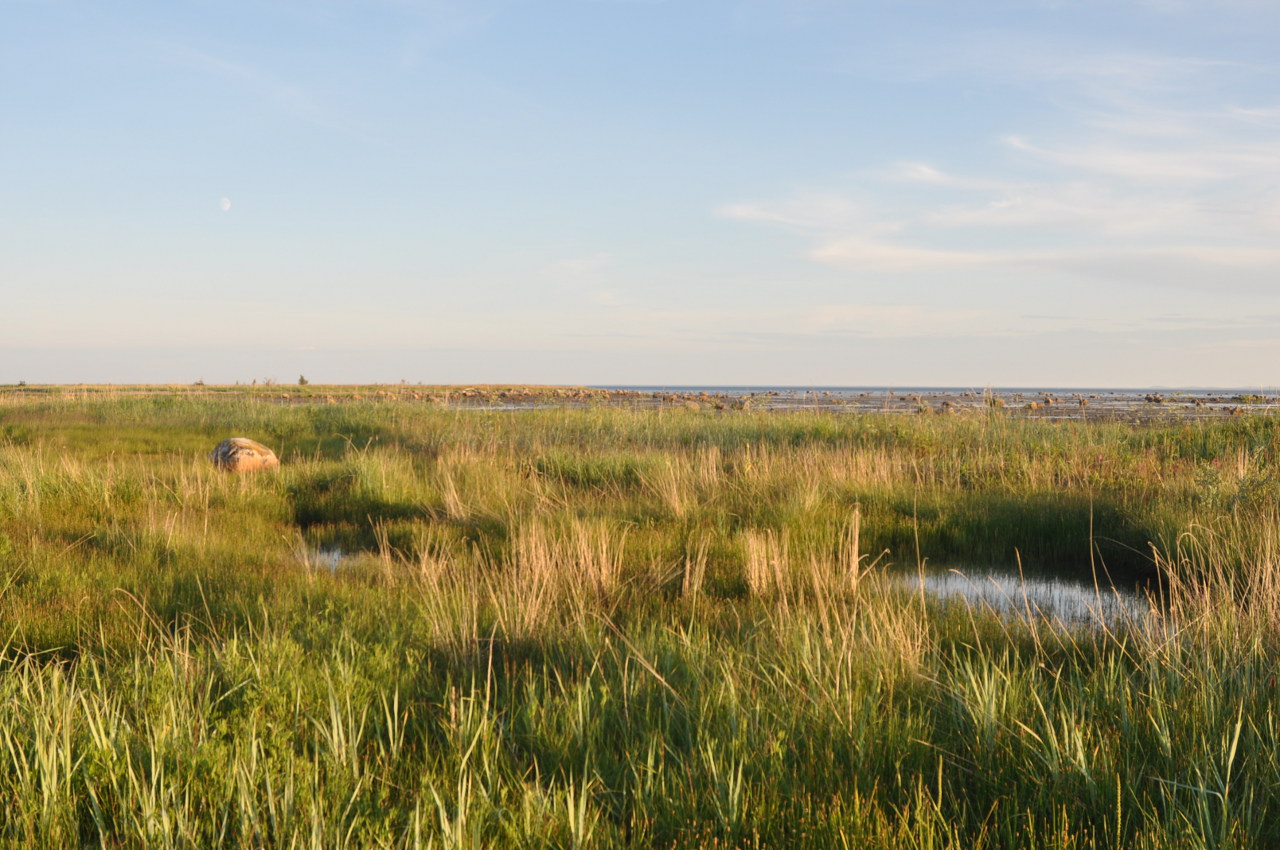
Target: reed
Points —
{"points": [[608, 627]]}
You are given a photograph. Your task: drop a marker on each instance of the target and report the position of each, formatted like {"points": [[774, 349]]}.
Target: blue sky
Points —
{"points": [[919, 192]]}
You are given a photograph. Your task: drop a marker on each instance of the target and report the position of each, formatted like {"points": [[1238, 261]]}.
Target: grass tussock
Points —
{"points": [[625, 628]]}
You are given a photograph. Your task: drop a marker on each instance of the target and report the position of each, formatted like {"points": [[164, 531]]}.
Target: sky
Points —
{"points": [[1070, 193]]}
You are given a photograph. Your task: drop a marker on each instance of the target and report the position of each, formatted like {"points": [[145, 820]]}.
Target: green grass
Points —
{"points": [[610, 627]]}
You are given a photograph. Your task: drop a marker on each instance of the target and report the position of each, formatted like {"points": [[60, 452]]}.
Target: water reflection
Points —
{"points": [[1072, 601], [1038, 596], [327, 558]]}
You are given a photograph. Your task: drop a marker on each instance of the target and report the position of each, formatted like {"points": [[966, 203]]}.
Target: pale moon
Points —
{"points": [[225, 203]]}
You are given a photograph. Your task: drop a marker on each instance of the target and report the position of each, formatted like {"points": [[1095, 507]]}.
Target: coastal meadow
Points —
{"points": [[590, 623]]}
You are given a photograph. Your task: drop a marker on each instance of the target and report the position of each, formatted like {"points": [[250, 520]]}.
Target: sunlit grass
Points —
{"points": [[607, 627]]}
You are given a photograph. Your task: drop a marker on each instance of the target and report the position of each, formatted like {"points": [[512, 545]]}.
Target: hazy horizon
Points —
{"points": [[268, 381]]}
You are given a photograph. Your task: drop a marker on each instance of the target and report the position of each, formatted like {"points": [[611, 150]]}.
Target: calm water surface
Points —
{"points": [[1068, 600], [1040, 596]]}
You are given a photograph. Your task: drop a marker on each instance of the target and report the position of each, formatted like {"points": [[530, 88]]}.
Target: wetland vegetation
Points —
{"points": [[618, 626]]}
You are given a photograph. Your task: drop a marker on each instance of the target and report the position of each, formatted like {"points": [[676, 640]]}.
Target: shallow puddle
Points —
{"points": [[1039, 596], [1069, 600], [327, 558]]}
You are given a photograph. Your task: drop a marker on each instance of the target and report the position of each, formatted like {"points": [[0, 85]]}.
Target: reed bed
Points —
{"points": [[609, 627]]}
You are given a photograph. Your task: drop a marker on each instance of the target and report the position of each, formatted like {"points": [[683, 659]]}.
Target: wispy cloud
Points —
{"points": [[291, 98], [807, 211], [1136, 188], [1193, 163], [785, 326], [1055, 63], [1074, 206], [1150, 242], [431, 24], [863, 252]]}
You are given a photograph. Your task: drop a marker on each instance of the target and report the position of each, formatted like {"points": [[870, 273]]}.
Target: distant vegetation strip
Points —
{"points": [[1128, 405]]}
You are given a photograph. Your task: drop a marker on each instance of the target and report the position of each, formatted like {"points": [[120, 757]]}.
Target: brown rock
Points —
{"points": [[240, 454]]}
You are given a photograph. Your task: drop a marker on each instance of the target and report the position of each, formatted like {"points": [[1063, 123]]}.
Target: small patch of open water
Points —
{"points": [[1037, 596], [1040, 596], [327, 558]]}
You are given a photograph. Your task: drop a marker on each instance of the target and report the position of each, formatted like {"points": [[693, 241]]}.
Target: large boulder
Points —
{"points": [[240, 454]]}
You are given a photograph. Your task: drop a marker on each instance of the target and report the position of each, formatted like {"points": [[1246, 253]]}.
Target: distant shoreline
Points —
{"points": [[735, 389], [1134, 405]]}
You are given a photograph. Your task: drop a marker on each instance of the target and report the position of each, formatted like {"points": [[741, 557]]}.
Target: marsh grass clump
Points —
{"points": [[615, 627]]}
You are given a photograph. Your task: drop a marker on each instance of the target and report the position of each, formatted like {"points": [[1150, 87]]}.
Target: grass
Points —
{"points": [[611, 627]]}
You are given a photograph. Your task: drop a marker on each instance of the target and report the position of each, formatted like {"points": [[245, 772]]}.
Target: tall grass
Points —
{"points": [[624, 628]]}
